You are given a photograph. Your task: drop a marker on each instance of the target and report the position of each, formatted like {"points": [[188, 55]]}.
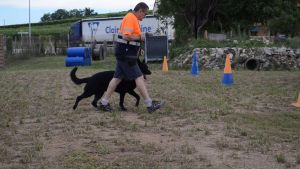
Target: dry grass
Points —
{"points": [[204, 125]]}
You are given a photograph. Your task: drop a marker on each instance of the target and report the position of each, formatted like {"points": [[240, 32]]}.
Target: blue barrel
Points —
{"points": [[88, 61], [75, 61], [78, 51]]}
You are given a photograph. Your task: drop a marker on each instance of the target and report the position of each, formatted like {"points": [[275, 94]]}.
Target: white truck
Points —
{"points": [[97, 31]]}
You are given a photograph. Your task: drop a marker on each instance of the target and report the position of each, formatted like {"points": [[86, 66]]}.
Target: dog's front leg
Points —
{"points": [[137, 97], [121, 103]]}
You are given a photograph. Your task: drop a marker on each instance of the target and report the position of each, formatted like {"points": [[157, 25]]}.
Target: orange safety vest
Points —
{"points": [[130, 25]]}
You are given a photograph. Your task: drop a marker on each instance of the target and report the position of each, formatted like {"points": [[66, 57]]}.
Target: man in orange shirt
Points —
{"points": [[126, 51]]}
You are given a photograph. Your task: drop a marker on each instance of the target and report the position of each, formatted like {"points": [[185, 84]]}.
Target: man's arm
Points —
{"points": [[134, 37]]}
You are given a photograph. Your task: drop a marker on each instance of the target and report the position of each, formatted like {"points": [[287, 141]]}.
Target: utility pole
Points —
{"points": [[29, 31]]}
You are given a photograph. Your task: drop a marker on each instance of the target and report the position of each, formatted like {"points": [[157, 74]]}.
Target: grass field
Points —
{"points": [[203, 125]]}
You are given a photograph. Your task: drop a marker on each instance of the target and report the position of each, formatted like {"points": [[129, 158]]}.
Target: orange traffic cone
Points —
{"points": [[165, 68], [298, 102], [227, 76]]}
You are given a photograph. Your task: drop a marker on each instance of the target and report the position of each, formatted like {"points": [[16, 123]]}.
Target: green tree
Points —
{"points": [[89, 12], [279, 15], [46, 17], [190, 14], [64, 14], [193, 16], [76, 13], [287, 20], [60, 14]]}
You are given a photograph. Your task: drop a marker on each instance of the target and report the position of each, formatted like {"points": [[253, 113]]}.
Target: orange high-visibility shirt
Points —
{"points": [[130, 25]]}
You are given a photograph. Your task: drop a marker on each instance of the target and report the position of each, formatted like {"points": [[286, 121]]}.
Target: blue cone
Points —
{"points": [[195, 69], [227, 79]]}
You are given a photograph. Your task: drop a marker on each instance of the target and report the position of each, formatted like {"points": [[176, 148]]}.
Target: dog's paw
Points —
{"points": [[95, 105], [123, 109]]}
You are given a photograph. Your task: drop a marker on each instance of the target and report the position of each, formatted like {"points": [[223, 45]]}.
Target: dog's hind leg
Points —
{"points": [[137, 97], [79, 98], [121, 103], [96, 98], [77, 101]]}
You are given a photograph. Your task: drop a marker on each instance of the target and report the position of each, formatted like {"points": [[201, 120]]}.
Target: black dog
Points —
{"points": [[98, 83]]}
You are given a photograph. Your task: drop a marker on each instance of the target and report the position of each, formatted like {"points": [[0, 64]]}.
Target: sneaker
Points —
{"points": [[155, 105], [106, 108]]}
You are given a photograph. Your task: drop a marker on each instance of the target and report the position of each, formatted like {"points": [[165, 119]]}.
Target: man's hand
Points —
{"points": [[141, 37], [133, 37]]}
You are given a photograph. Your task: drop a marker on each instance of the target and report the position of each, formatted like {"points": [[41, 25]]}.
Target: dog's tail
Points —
{"points": [[75, 79]]}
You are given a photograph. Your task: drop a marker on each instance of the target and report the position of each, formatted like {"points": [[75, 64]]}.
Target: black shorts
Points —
{"points": [[126, 71], [127, 67]]}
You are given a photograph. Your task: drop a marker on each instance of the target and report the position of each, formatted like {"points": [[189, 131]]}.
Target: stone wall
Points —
{"points": [[2, 50], [250, 59]]}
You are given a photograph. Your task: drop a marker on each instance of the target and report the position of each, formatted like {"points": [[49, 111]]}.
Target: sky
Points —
{"points": [[17, 11]]}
